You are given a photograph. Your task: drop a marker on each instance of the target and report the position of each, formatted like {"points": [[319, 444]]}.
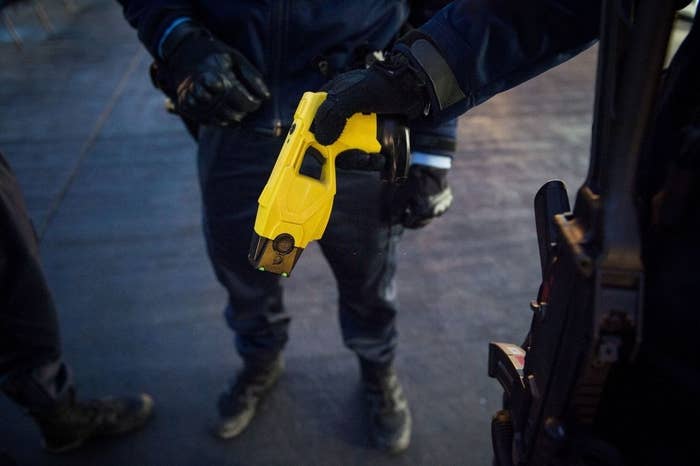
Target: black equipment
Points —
{"points": [[587, 319]]}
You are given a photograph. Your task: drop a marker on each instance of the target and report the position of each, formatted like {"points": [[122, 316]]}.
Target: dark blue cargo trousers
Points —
{"points": [[359, 244], [31, 369]]}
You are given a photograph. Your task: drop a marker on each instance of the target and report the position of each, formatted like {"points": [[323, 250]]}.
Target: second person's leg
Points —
{"points": [[234, 165], [32, 371], [360, 245]]}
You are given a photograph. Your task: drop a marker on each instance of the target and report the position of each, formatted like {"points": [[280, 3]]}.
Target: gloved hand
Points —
{"points": [[393, 86], [214, 83], [425, 196]]}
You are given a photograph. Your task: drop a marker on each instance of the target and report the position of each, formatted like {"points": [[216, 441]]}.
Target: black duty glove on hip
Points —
{"points": [[424, 196], [393, 86], [214, 83]]}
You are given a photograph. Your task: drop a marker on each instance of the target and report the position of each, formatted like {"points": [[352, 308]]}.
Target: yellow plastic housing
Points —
{"points": [[299, 205]]}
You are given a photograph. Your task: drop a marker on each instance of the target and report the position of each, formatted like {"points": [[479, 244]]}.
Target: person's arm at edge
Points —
{"points": [[474, 49]]}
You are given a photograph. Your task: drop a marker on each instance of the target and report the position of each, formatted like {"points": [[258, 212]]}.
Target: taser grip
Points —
{"points": [[294, 208]]}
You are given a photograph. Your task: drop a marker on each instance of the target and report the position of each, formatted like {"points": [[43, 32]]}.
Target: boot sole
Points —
{"points": [[401, 444], [220, 429], [225, 433]]}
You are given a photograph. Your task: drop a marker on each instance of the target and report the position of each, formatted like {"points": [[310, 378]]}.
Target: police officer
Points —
{"points": [[237, 70], [473, 49], [32, 371]]}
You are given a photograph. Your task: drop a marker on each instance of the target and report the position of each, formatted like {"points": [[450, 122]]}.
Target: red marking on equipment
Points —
{"points": [[519, 359]]}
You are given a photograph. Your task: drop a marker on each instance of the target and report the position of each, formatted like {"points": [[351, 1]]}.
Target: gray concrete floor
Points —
{"points": [[111, 185]]}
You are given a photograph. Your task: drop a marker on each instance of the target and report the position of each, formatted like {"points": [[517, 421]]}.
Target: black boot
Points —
{"points": [[237, 405], [70, 423], [389, 415]]}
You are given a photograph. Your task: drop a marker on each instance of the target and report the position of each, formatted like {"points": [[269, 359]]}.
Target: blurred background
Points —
{"points": [[110, 181]]}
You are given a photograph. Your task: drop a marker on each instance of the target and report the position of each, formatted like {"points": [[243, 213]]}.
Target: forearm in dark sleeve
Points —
{"points": [[423, 10], [437, 139], [492, 45], [151, 18]]}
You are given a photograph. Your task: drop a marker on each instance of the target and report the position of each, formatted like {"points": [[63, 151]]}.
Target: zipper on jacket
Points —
{"points": [[277, 127], [278, 33]]}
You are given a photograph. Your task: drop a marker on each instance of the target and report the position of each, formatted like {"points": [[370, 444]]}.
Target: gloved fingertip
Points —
{"points": [[224, 59], [201, 94], [190, 101], [327, 129], [214, 83], [241, 99], [231, 116]]}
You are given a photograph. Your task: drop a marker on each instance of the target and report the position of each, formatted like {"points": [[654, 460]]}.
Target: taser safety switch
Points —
{"points": [[296, 203]]}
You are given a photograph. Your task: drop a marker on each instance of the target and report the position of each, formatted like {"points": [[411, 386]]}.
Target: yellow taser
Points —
{"points": [[297, 200]]}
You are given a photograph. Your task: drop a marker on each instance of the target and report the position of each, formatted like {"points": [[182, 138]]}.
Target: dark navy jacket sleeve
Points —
{"points": [[493, 45], [423, 10], [151, 18], [426, 137]]}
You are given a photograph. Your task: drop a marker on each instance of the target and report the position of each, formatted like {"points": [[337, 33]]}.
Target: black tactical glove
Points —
{"points": [[424, 196], [214, 84], [393, 86]]}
